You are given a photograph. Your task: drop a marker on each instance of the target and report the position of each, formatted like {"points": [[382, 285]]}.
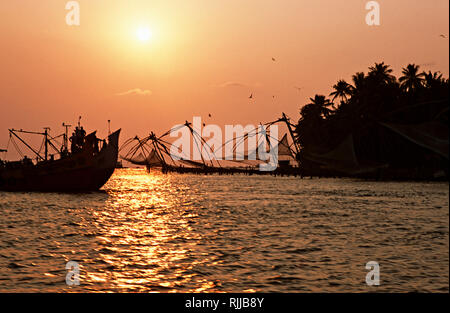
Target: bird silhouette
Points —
{"points": [[251, 96], [443, 36], [209, 115], [273, 59]]}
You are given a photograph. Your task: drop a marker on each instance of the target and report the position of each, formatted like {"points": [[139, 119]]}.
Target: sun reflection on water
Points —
{"points": [[146, 236], [191, 233]]}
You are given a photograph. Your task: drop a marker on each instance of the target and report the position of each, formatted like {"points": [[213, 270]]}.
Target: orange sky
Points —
{"points": [[205, 56]]}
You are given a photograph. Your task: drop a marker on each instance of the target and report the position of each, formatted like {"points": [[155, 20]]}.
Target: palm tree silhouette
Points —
{"points": [[372, 99], [381, 73], [342, 90], [320, 104], [432, 80], [358, 81], [411, 79]]}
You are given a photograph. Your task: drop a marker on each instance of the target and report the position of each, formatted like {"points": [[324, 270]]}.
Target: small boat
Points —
{"points": [[87, 167]]}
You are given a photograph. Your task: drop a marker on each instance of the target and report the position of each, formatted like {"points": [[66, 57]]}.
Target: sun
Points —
{"points": [[144, 34]]}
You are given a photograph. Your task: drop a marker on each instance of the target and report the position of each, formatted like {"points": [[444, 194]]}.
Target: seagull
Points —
{"points": [[443, 36], [251, 96]]}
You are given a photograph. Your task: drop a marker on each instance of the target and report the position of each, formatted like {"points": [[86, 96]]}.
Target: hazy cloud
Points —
{"points": [[428, 64], [238, 84], [136, 91]]}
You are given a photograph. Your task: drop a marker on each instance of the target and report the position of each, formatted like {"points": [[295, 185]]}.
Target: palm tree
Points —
{"points": [[381, 73], [309, 129], [372, 98], [358, 81], [411, 79], [432, 79], [342, 89], [321, 104]]}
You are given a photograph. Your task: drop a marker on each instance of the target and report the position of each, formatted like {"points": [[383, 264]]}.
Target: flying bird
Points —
{"points": [[251, 96], [209, 115], [443, 36], [273, 59]]}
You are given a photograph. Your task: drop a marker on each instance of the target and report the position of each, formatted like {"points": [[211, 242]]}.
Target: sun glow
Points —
{"points": [[144, 34]]}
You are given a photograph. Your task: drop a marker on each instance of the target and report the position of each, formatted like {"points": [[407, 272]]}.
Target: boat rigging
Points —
{"points": [[87, 166], [48, 142]]}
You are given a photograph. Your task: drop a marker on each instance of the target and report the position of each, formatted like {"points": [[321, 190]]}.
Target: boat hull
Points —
{"points": [[80, 172]]}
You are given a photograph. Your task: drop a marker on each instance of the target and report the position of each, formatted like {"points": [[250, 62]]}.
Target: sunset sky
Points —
{"points": [[148, 65]]}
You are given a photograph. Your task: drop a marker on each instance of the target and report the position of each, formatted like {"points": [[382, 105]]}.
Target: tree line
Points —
{"points": [[360, 107]]}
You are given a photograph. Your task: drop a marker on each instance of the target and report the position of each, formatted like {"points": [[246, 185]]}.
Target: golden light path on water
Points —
{"points": [[145, 235], [193, 233]]}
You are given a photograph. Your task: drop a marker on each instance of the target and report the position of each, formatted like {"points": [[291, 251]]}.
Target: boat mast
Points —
{"points": [[12, 131], [46, 129], [66, 137]]}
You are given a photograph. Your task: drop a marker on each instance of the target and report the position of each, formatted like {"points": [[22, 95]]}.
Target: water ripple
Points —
{"points": [[186, 233]]}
